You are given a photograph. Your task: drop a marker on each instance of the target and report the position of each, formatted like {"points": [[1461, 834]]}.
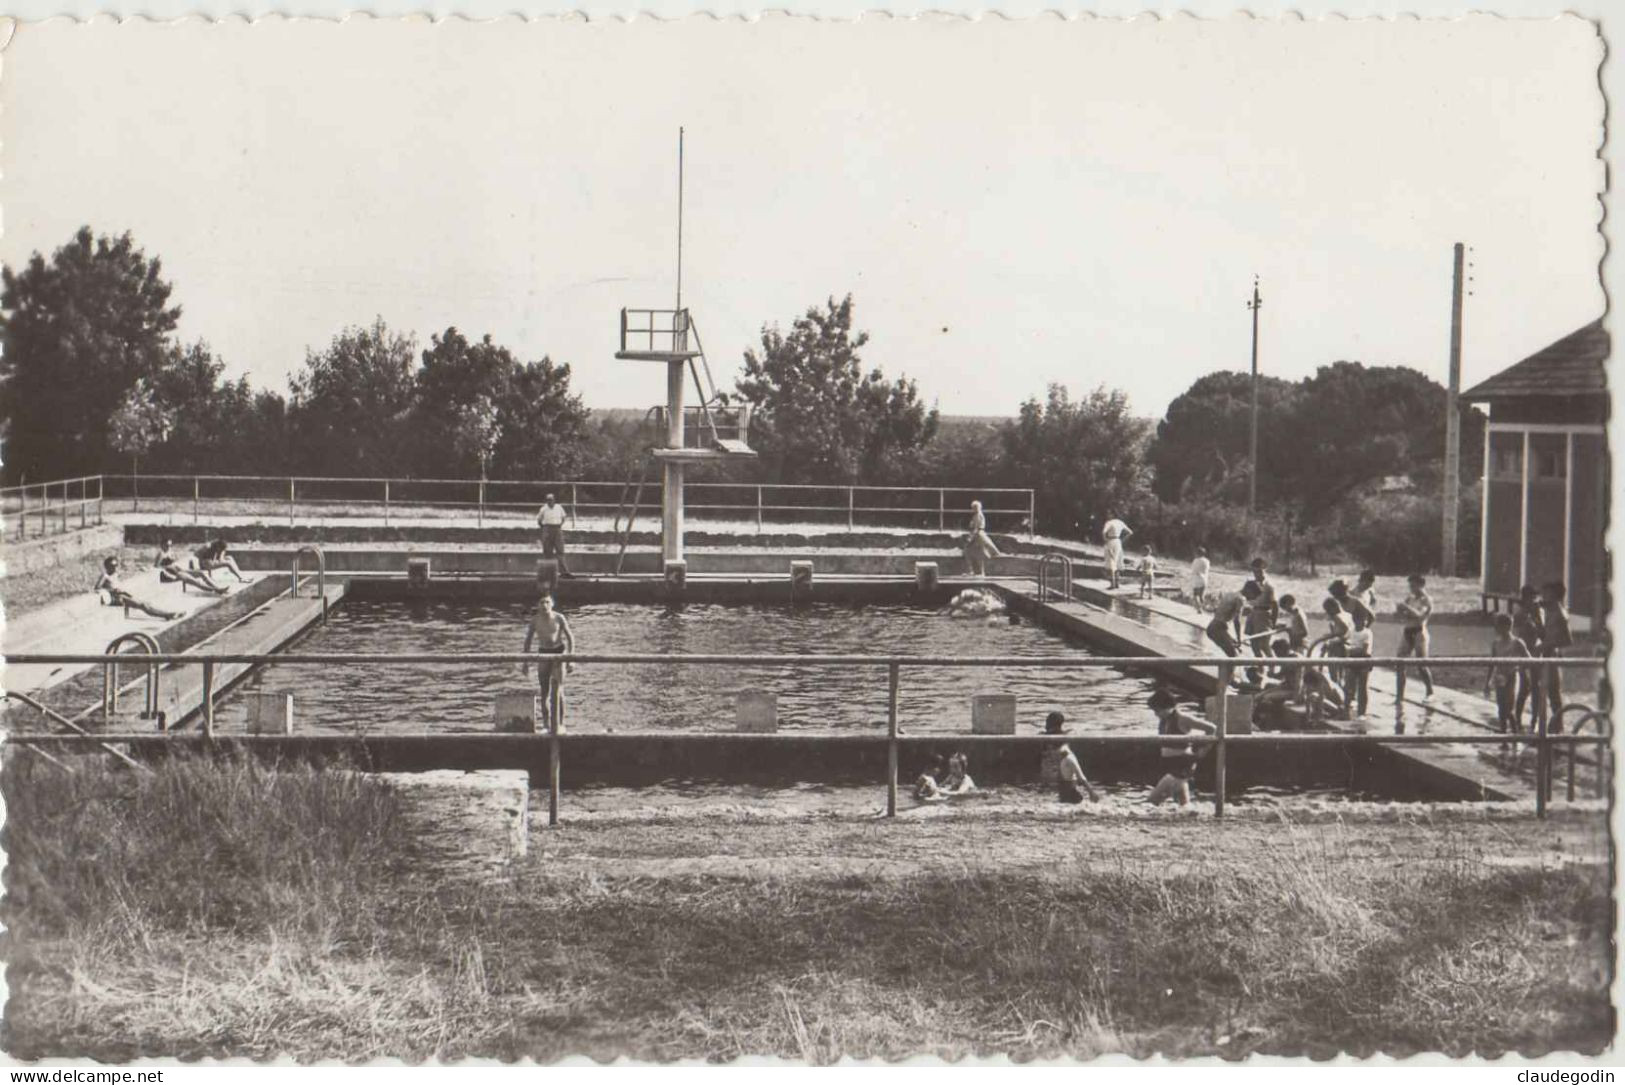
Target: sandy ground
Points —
{"points": [[616, 833]]}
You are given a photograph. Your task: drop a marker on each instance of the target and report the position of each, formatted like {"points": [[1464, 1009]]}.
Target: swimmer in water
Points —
{"points": [[926, 786], [958, 781], [972, 603], [552, 635]]}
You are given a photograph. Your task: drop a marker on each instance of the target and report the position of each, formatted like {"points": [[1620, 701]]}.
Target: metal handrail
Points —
{"points": [[1604, 726], [712, 659], [293, 491], [1043, 575], [1219, 741], [321, 574], [110, 684]]}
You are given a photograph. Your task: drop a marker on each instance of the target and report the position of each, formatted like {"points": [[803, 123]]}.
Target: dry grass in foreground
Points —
{"points": [[224, 909]]}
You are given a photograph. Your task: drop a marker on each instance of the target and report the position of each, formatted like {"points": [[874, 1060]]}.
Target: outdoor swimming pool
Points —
{"points": [[418, 698]]}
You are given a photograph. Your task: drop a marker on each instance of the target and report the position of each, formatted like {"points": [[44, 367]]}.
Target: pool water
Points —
{"points": [[418, 698]]}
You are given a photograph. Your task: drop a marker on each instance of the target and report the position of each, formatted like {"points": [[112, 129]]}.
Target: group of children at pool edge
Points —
{"points": [[1277, 627], [947, 778], [1537, 627], [198, 570]]}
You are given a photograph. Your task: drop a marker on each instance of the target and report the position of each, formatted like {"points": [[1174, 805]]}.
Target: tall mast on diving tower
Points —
{"points": [[670, 336]]}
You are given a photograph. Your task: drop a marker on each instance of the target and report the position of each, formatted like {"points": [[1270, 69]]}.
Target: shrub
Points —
{"points": [[1401, 533]]}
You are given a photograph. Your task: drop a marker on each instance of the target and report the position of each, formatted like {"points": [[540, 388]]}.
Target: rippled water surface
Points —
{"points": [[421, 697]]}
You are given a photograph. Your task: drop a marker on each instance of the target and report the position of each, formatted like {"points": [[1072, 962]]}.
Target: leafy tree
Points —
{"points": [[965, 453], [1085, 458], [819, 417], [351, 403], [1353, 425], [76, 334], [494, 412], [1321, 439], [478, 430], [1202, 445], [139, 422], [542, 423]]}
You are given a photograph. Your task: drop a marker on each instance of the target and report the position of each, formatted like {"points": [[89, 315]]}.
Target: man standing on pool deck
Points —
{"points": [[552, 636], [1414, 612], [1112, 534], [551, 519]]}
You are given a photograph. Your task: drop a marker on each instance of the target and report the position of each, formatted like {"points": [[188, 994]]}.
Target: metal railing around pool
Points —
{"points": [[1543, 740], [52, 506]]}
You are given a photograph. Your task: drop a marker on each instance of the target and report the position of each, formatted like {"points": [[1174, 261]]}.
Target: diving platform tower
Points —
{"points": [[719, 432], [669, 337]]}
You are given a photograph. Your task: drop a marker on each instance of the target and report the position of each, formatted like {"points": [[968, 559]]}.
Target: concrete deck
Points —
{"points": [[83, 624], [1448, 712], [255, 618]]}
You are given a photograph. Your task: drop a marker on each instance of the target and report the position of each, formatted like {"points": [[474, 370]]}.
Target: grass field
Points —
{"points": [[228, 910]]}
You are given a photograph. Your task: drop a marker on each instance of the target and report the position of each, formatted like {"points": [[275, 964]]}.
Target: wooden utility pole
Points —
{"points": [[1252, 441], [1452, 423]]}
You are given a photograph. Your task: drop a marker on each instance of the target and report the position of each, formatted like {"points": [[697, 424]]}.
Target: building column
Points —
{"points": [[1523, 519], [1568, 505]]}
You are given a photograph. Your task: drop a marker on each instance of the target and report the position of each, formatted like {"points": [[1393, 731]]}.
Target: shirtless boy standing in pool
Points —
{"points": [[552, 636]]}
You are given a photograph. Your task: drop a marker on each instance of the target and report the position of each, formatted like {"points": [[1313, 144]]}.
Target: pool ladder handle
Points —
{"points": [[1065, 564], [321, 577], [110, 686]]}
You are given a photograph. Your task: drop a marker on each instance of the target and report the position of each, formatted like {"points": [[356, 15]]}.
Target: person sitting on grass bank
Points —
{"points": [[1178, 761], [216, 555], [553, 637], [113, 593], [171, 571]]}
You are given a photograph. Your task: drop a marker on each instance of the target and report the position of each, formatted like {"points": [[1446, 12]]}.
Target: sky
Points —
{"points": [[1010, 202]]}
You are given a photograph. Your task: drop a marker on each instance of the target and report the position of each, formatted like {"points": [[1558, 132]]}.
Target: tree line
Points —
{"points": [[94, 380]]}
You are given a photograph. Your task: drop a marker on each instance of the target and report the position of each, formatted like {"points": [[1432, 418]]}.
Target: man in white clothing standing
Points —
{"points": [[551, 520], [1112, 534]]}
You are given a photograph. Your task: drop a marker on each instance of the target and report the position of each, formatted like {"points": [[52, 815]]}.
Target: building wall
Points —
{"points": [[1552, 410], [1503, 514], [1547, 530], [1546, 515], [1587, 552]]}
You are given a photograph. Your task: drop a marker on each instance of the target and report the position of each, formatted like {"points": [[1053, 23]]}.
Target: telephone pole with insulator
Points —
{"points": [[1452, 424], [1252, 442]]}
